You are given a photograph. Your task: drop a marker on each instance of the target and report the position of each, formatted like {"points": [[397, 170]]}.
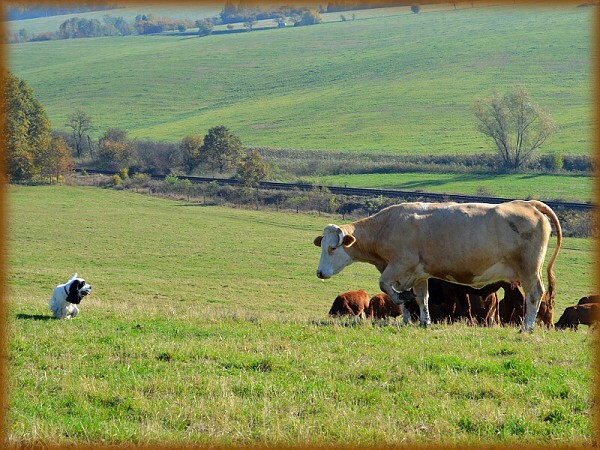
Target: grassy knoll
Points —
{"points": [[578, 188], [401, 83], [207, 324]]}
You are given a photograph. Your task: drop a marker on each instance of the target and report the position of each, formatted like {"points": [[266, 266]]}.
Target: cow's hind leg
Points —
{"points": [[398, 294], [534, 289], [405, 314]]}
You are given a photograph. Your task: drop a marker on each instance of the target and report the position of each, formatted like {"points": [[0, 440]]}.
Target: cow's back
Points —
{"points": [[469, 243]]}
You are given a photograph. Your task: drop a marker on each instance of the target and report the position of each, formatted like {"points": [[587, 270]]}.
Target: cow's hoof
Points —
{"points": [[425, 324], [526, 330]]}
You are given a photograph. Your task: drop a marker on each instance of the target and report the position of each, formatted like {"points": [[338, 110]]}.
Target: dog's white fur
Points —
{"points": [[60, 306]]}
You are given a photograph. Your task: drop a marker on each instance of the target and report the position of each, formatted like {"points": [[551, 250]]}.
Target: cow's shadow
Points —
{"points": [[34, 317]]}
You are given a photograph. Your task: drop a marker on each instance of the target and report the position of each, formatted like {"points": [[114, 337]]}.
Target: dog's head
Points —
{"points": [[76, 289]]}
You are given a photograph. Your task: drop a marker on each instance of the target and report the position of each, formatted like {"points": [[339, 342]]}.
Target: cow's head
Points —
{"points": [[333, 245]]}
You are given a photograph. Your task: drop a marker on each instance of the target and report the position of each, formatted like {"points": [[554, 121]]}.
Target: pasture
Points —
{"points": [[208, 325], [399, 83], [577, 188]]}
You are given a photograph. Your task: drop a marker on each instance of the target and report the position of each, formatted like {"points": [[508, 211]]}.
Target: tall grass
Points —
{"points": [[208, 325]]}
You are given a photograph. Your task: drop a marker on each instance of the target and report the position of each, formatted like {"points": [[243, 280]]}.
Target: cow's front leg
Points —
{"points": [[422, 297]]}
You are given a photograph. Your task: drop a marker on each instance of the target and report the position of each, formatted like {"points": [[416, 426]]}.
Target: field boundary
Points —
{"points": [[363, 192]]}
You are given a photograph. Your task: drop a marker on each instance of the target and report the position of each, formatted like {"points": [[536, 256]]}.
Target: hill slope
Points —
{"points": [[402, 83]]}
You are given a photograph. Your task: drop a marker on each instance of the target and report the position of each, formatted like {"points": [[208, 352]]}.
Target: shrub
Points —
{"points": [[173, 184], [484, 191], [556, 161], [577, 224]]}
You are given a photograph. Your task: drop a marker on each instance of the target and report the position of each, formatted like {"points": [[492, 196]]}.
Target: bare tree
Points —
{"points": [[80, 123], [250, 22], [517, 126]]}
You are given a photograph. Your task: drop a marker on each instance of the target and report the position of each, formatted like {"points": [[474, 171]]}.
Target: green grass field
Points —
{"points": [[208, 325], [401, 83], [543, 187]]}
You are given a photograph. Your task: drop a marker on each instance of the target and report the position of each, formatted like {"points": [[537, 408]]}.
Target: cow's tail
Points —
{"points": [[551, 292]]}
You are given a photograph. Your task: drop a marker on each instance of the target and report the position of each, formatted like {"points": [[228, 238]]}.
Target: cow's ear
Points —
{"points": [[348, 240], [318, 240]]}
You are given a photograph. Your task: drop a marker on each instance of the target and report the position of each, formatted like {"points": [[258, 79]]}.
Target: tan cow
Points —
{"points": [[474, 244]]}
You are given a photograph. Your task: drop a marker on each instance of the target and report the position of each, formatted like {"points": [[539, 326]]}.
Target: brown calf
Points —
{"points": [[485, 309], [353, 303], [594, 298], [382, 306], [586, 314]]}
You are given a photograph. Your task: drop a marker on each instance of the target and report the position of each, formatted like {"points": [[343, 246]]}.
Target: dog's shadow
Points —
{"points": [[34, 317]]}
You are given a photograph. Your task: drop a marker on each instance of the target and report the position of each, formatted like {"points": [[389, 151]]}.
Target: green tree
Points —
{"points": [[252, 169], [230, 12], [27, 129], [309, 17], [205, 27], [222, 148], [517, 126], [191, 152]]}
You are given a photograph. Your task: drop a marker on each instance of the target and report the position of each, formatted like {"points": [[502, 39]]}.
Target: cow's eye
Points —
{"points": [[330, 250]]}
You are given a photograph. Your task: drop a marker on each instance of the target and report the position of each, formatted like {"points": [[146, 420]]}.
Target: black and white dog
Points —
{"points": [[66, 297]]}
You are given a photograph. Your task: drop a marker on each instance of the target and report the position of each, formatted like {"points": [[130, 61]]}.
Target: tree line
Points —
{"points": [[80, 27], [242, 12], [25, 10]]}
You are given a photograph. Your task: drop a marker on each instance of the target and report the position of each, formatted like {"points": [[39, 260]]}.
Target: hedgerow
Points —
{"points": [[317, 200]]}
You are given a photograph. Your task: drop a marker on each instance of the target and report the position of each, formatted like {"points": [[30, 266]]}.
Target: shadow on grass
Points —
{"points": [[34, 317], [194, 204]]}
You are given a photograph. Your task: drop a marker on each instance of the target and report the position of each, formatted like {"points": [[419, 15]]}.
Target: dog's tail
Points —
{"points": [[73, 277]]}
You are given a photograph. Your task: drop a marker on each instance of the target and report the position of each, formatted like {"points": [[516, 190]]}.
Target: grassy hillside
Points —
{"points": [[207, 324], [399, 83]]}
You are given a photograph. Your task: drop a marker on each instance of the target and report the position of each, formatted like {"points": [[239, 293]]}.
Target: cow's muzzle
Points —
{"points": [[321, 275]]}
